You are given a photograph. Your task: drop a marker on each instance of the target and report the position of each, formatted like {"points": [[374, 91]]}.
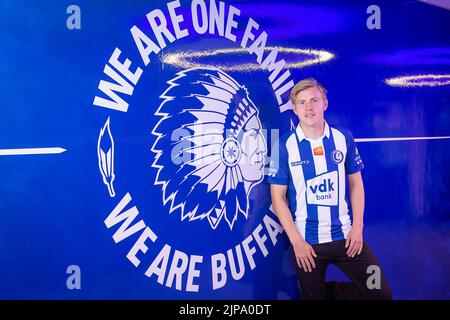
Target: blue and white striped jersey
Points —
{"points": [[315, 173]]}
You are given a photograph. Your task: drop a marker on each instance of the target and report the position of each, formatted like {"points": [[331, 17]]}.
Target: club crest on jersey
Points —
{"points": [[217, 156], [337, 156]]}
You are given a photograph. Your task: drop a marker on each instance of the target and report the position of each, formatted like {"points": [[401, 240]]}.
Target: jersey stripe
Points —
{"points": [[323, 212], [344, 217], [299, 209], [309, 172], [336, 225]]}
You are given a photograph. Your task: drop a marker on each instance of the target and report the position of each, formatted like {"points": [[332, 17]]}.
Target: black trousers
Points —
{"points": [[314, 287]]}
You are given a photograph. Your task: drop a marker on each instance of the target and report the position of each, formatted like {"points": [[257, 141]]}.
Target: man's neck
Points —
{"points": [[313, 132]]}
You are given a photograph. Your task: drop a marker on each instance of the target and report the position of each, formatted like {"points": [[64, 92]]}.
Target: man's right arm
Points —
{"points": [[304, 253], [281, 208]]}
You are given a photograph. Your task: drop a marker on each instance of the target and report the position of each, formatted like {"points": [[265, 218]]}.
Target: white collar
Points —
{"points": [[301, 135]]}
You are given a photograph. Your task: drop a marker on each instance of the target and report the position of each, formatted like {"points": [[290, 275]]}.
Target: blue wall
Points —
{"points": [[53, 206]]}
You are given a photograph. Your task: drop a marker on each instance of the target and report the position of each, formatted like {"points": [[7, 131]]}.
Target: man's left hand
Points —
{"points": [[354, 243]]}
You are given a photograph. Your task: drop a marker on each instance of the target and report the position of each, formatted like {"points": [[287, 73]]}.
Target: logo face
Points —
{"points": [[318, 151], [323, 190], [209, 171], [337, 156]]}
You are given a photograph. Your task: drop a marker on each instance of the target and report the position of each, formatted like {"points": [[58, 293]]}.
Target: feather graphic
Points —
{"points": [[105, 152]]}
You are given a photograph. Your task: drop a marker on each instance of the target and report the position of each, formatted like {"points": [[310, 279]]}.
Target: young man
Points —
{"points": [[308, 196]]}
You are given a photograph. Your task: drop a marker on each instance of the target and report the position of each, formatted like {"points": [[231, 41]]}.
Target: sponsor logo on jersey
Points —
{"points": [[323, 189], [318, 151]]}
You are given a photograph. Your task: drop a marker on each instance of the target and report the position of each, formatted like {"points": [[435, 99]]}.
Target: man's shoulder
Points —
{"points": [[285, 137], [344, 131]]}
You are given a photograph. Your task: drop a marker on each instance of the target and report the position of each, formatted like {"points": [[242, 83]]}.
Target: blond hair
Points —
{"points": [[306, 84]]}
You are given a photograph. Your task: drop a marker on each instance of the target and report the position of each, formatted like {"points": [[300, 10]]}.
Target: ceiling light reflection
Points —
{"points": [[183, 59], [424, 80]]}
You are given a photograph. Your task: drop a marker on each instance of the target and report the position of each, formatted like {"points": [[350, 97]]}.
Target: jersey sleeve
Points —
{"points": [[279, 169], [353, 161]]}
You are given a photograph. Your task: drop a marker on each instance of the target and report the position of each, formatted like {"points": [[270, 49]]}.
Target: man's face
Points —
{"points": [[310, 106]]}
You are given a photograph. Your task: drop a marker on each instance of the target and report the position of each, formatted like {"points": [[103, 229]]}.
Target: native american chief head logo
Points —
{"points": [[209, 148]]}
